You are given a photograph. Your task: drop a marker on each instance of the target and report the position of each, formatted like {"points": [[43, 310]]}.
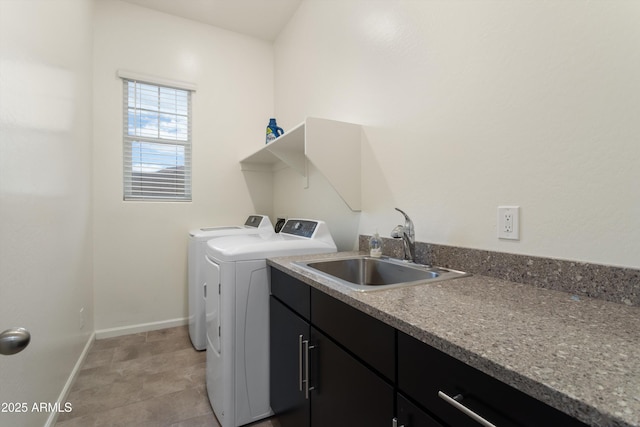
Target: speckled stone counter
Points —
{"points": [[579, 355]]}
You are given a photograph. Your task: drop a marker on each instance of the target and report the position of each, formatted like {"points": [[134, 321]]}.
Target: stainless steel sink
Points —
{"points": [[365, 274]]}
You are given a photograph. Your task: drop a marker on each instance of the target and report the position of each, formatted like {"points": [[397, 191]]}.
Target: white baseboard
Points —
{"points": [[53, 416], [143, 327]]}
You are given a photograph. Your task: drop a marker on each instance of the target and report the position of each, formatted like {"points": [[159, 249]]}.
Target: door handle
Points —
{"points": [[14, 340]]}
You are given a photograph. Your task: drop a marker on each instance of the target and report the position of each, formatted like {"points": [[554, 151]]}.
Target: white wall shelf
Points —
{"points": [[332, 146]]}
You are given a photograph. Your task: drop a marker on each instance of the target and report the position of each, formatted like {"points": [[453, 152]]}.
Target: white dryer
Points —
{"points": [[238, 316], [198, 238]]}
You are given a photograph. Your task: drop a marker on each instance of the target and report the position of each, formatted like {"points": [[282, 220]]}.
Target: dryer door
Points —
{"points": [[212, 298]]}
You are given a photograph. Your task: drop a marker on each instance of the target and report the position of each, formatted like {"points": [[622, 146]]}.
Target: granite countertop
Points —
{"points": [[579, 355]]}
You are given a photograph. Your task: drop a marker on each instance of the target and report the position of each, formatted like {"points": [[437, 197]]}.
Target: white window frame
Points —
{"points": [[153, 158]]}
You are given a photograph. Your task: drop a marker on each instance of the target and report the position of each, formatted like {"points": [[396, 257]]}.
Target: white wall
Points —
{"points": [[45, 196], [318, 201], [141, 248], [471, 105]]}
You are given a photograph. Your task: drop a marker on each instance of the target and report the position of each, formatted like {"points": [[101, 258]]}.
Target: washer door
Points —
{"points": [[212, 303]]}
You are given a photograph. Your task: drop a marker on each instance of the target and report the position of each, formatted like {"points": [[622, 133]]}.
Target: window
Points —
{"points": [[157, 142]]}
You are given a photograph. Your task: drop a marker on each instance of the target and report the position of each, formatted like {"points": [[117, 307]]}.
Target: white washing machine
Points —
{"points": [[238, 316], [198, 238]]}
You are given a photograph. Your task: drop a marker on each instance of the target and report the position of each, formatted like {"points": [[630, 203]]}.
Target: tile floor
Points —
{"points": [[151, 379]]}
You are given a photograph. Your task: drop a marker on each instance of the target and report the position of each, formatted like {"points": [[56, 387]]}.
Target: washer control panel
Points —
{"points": [[253, 221], [299, 227]]}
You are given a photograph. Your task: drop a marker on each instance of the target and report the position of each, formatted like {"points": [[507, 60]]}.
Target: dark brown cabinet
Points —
{"points": [[360, 371], [288, 331], [367, 338], [445, 387], [343, 390]]}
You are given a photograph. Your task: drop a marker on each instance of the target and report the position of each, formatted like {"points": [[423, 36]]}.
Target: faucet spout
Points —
{"points": [[407, 233]]}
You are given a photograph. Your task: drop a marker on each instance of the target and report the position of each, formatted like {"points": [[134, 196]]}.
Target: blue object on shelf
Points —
{"points": [[273, 131]]}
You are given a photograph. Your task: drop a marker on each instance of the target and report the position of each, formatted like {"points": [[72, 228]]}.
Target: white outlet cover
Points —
{"points": [[509, 222]]}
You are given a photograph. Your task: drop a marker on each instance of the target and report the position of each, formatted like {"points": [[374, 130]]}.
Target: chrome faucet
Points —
{"points": [[407, 233]]}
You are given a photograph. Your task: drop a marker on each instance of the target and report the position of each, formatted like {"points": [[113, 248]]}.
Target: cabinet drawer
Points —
{"points": [[423, 372], [368, 338], [291, 291]]}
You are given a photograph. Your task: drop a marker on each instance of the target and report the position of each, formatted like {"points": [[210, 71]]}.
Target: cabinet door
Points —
{"points": [[287, 400], [345, 392], [367, 338]]}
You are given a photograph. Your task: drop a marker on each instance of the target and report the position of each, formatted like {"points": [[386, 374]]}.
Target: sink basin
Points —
{"points": [[365, 274]]}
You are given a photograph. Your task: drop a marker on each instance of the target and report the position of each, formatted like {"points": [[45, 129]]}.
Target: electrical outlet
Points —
{"points": [[507, 227], [509, 222]]}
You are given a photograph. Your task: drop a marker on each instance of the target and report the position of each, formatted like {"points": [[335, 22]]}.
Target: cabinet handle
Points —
{"points": [[307, 347], [300, 361], [453, 401], [394, 423], [303, 365]]}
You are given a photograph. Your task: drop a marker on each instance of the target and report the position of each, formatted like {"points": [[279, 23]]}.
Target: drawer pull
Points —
{"points": [[453, 401]]}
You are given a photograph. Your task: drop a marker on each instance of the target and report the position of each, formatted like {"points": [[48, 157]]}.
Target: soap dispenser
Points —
{"points": [[375, 245]]}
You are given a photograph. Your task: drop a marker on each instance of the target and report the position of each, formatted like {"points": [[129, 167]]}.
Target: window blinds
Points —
{"points": [[157, 142]]}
